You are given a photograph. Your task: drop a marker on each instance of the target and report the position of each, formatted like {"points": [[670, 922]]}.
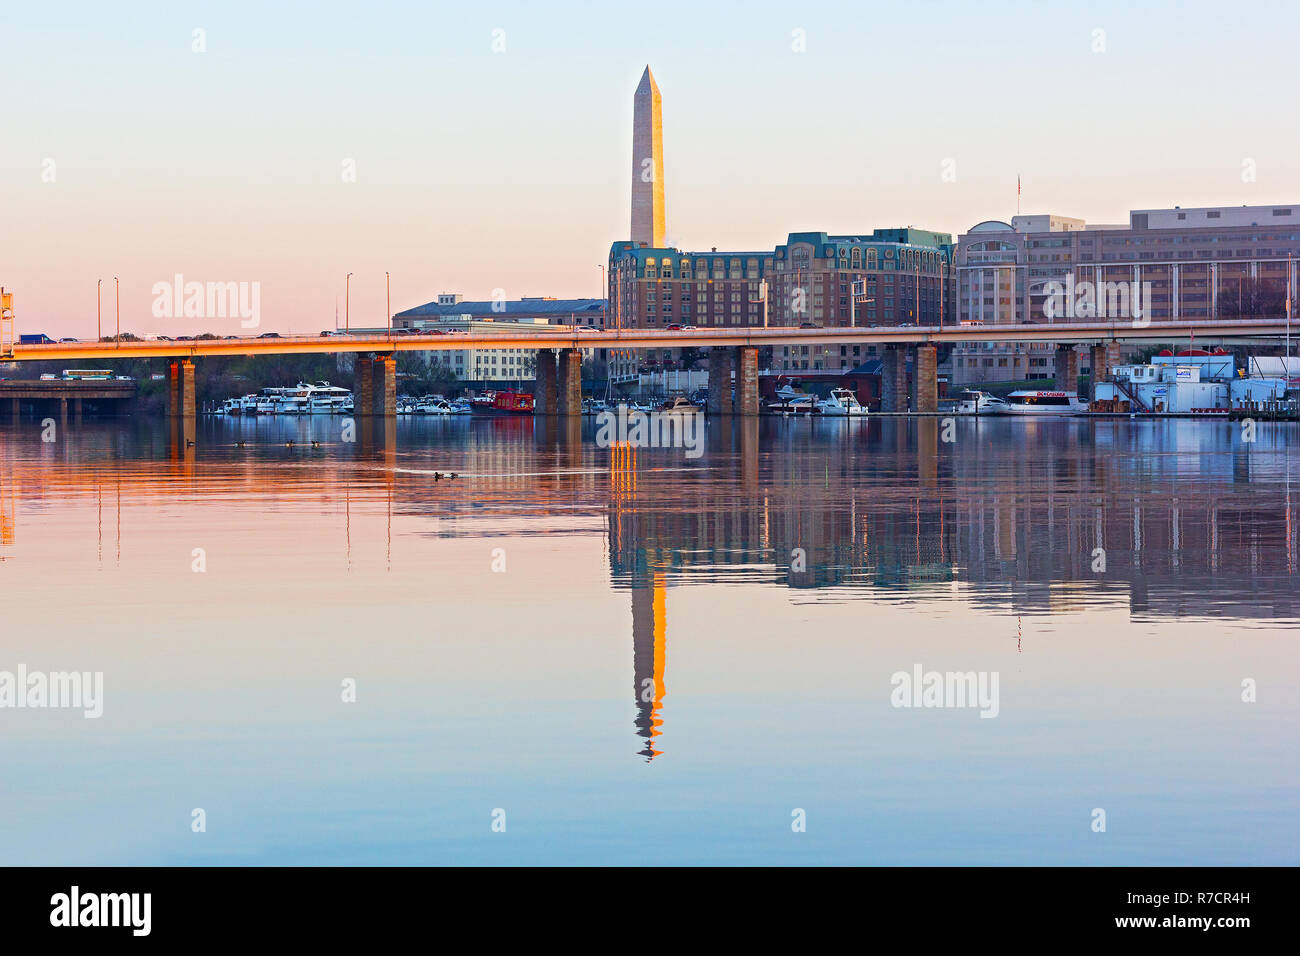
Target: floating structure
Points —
{"points": [[1189, 382]]}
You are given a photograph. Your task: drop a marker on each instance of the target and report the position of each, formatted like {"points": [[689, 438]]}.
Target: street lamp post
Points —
{"points": [[99, 310], [388, 299], [117, 296], [347, 302], [603, 317], [854, 294]]}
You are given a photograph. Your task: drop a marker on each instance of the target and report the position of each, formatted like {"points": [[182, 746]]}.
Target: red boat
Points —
{"points": [[507, 403]]}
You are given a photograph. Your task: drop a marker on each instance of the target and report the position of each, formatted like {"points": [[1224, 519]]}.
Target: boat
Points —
{"points": [[800, 404], [974, 402], [433, 406], [1039, 402], [324, 398], [678, 406], [843, 402], [507, 403]]}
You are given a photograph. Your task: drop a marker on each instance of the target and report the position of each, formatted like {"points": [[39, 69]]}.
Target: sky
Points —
{"points": [[469, 148]]}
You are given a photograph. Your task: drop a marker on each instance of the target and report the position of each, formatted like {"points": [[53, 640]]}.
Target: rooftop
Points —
{"points": [[515, 308]]}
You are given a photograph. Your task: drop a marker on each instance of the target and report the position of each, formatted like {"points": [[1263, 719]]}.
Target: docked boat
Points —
{"points": [[507, 403], [433, 406], [974, 402], [842, 403], [799, 404], [678, 406], [1038, 402]]}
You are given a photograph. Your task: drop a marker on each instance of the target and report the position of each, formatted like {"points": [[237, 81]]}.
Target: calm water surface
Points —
{"points": [[645, 658]]}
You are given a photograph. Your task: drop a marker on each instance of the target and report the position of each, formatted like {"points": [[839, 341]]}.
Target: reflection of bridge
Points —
{"points": [[1192, 521], [735, 349]]}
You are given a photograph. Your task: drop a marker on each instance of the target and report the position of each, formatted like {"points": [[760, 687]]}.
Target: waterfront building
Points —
{"points": [[1205, 262], [885, 277], [451, 313]]}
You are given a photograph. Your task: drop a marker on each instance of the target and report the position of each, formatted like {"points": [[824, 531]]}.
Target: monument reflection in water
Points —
{"points": [[1123, 577]]}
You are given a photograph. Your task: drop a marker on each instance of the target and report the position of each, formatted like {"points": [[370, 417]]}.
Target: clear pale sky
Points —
{"points": [[478, 170]]}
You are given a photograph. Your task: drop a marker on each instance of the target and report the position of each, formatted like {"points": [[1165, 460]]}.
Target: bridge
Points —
{"points": [[559, 352], [58, 395]]}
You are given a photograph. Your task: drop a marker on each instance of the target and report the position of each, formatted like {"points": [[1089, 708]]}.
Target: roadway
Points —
{"points": [[1209, 331]]}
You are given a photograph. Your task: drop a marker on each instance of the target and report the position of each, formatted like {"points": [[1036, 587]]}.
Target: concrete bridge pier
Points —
{"points": [[569, 386], [1104, 358], [15, 407], [546, 390], [1065, 362], [746, 362], [927, 378], [76, 412], [719, 401], [383, 381], [374, 388], [173, 389], [363, 397], [180, 390], [893, 379]]}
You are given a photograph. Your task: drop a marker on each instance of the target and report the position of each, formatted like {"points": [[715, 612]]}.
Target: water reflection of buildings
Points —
{"points": [[1192, 521]]}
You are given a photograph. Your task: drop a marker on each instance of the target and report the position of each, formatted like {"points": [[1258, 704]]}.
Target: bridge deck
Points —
{"points": [[1212, 330]]}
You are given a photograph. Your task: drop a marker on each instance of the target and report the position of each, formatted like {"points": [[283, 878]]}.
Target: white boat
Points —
{"points": [[798, 404], [324, 398], [842, 403], [433, 406], [461, 408], [1039, 402], [786, 392], [974, 402], [678, 406]]}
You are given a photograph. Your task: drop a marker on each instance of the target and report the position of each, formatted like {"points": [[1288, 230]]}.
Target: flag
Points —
{"points": [[1017, 184]]}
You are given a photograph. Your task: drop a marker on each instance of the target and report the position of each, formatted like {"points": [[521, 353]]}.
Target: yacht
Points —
{"points": [[324, 398], [1038, 402], [975, 402], [842, 403], [799, 404], [433, 406], [678, 406]]}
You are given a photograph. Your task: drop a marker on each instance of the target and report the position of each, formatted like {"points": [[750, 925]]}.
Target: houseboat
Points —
{"points": [[1040, 402]]}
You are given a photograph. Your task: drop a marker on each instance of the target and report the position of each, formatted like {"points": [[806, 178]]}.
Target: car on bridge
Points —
{"points": [[69, 340], [37, 338], [270, 335]]}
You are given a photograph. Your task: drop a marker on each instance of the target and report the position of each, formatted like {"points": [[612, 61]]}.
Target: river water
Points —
{"points": [[319, 651]]}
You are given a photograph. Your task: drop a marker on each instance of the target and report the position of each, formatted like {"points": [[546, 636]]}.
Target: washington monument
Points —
{"points": [[648, 163]]}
